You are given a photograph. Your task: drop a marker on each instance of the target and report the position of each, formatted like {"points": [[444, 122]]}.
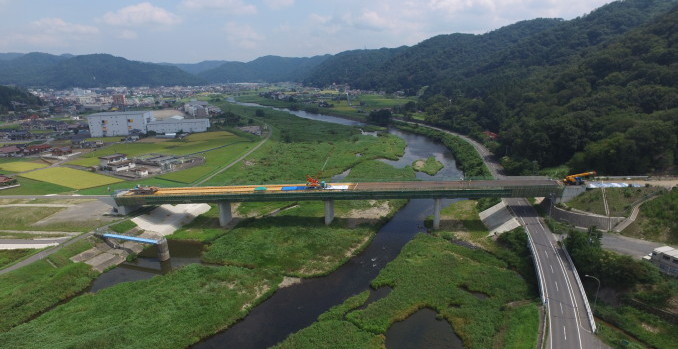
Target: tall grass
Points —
{"points": [[171, 311]]}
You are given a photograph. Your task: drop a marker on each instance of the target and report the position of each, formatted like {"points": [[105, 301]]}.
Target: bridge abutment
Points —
{"points": [[225, 215], [163, 250], [437, 203], [329, 211]]}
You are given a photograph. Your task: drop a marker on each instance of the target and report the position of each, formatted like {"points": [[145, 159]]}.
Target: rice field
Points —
{"points": [[71, 178], [20, 166]]}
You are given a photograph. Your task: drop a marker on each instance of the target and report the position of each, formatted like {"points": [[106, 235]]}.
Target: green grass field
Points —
{"points": [[21, 218], [191, 144], [171, 311], [71, 178], [8, 257], [33, 187], [619, 200], [30, 290], [657, 219], [20, 166], [214, 160]]}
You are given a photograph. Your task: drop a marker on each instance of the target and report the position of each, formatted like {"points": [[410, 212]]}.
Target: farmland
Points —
{"points": [[192, 144], [71, 178], [20, 166]]}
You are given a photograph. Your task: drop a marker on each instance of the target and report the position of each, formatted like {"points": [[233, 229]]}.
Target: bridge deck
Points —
{"points": [[347, 191]]}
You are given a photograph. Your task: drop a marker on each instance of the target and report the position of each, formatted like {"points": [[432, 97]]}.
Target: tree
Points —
{"points": [[381, 117]]}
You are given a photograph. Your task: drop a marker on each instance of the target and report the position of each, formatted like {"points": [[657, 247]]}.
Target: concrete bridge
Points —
{"points": [[517, 187]]}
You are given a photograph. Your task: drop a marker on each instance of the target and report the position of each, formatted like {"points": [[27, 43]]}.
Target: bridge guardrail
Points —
{"points": [[530, 245], [581, 289]]}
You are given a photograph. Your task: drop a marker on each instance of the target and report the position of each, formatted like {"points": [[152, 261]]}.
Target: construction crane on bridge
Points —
{"points": [[576, 179]]}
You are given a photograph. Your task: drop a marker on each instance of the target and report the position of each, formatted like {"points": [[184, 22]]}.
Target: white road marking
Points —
{"points": [[556, 286], [561, 309], [564, 333], [551, 268]]}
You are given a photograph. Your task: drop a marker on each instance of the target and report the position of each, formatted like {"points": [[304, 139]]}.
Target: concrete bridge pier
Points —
{"points": [[163, 250], [329, 211], [437, 203], [225, 215]]}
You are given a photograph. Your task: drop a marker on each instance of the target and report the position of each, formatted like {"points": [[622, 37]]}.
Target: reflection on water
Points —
{"points": [[147, 265], [422, 330]]}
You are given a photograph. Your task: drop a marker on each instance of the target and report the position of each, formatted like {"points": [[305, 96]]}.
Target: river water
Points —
{"points": [[293, 308]]}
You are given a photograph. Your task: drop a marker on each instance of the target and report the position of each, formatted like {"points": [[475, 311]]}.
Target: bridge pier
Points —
{"points": [[329, 211], [163, 250], [437, 203], [225, 215]]}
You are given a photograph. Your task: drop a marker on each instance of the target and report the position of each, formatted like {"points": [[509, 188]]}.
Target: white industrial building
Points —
{"points": [[172, 125], [122, 123], [666, 258], [118, 123]]}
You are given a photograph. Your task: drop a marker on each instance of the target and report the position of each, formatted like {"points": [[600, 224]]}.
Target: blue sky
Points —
{"points": [[188, 31]]}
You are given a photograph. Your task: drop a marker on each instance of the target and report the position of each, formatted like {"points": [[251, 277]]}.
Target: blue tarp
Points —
{"points": [[298, 187]]}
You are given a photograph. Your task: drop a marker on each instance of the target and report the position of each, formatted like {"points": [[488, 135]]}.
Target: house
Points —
{"points": [[120, 166], [36, 149], [10, 151], [140, 171], [61, 151], [105, 161]]}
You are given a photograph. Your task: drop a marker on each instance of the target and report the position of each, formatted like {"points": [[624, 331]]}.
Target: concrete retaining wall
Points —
{"points": [[585, 220], [498, 219]]}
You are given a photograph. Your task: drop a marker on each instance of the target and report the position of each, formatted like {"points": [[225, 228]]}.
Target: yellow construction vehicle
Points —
{"points": [[576, 179]]}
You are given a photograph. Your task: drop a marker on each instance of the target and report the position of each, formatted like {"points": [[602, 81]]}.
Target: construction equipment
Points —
{"points": [[576, 179], [144, 190], [314, 183]]}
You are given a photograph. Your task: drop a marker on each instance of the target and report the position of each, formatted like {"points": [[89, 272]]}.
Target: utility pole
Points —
{"points": [[598, 289]]}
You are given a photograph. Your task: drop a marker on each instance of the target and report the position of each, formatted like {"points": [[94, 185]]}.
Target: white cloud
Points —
{"points": [[141, 14], [278, 4], [52, 32], [236, 7], [242, 35], [59, 26]]}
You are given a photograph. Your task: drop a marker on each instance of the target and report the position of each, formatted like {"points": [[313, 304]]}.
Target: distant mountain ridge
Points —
{"points": [[444, 63], [95, 70]]}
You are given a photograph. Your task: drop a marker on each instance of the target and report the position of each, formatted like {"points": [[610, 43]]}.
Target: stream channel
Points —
{"points": [[293, 308]]}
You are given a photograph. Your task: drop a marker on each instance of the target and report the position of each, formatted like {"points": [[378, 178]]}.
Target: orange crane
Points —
{"points": [[576, 179]]}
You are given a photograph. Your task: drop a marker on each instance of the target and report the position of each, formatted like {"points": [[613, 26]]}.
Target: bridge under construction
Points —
{"points": [[437, 190]]}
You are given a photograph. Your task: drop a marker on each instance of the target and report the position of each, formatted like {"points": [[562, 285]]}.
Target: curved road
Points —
{"points": [[568, 322]]}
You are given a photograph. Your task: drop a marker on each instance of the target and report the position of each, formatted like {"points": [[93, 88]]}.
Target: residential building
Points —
{"points": [[106, 160]]}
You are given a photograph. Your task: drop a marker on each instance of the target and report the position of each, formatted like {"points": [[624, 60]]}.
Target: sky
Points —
{"points": [[190, 31]]}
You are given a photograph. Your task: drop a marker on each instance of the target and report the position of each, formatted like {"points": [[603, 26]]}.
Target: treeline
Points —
{"points": [[467, 158]]}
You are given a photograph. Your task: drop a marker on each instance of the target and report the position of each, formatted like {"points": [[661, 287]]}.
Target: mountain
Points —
{"points": [[196, 68], [96, 70], [597, 92], [263, 69], [349, 66], [10, 95], [9, 56]]}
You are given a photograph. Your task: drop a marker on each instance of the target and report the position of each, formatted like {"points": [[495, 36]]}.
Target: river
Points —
{"points": [[293, 308]]}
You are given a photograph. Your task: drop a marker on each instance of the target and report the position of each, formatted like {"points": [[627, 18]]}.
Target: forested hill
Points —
{"points": [[96, 70], [610, 107], [11, 95], [410, 68], [263, 69]]}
